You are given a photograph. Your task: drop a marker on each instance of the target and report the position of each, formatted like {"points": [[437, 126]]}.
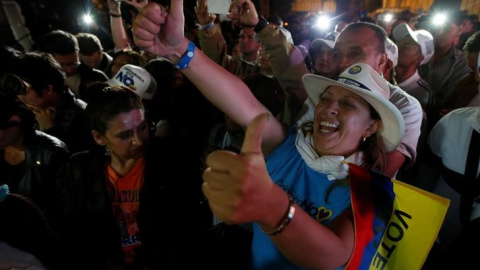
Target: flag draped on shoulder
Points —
{"points": [[395, 223]]}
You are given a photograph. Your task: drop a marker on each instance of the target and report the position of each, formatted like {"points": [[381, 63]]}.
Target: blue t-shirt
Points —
{"points": [[309, 188]]}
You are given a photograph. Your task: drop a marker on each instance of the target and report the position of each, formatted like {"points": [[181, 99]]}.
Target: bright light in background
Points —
{"points": [[439, 19], [87, 19], [388, 17], [323, 22]]}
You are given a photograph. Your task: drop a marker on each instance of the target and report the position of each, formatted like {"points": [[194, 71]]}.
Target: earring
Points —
{"points": [[107, 151], [364, 139]]}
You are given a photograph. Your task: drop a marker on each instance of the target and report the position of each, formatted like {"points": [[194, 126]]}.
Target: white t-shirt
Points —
{"points": [[412, 113], [450, 137], [450, 140]]}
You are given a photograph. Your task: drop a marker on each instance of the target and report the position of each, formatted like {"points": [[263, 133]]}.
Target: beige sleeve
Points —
{"points": [[213, 44], [288, 67]]}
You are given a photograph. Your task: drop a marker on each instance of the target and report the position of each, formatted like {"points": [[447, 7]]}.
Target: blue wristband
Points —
{"points": [[208, 26], [185, 60]]}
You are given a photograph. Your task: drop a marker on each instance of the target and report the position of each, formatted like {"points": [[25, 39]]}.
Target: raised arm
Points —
{"points": [[161, 33], [119, 35], [210, 37], [285, 58]]}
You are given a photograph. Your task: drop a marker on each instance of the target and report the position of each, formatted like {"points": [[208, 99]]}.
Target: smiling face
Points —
{"points": [[126, 135], [359, 45], [342, 120]]}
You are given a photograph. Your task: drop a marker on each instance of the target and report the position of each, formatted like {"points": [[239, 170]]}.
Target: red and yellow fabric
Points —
{"points": [[395, 223]]}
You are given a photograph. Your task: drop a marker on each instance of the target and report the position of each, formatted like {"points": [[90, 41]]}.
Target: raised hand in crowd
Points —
{"points": [[160, 32], [138, 4], [203, 16], [243, 12]]}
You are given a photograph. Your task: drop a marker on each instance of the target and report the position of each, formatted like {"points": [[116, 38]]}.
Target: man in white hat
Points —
{"points": [[415, 48], [321, 51], [365, 43]]}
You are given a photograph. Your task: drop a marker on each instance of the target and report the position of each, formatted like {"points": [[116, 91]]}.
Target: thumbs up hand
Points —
{"points": [[160, 32], [238, 185]]}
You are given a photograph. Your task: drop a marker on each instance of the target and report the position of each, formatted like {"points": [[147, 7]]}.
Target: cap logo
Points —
{"points": [[355, 70], [352, 82], [125, 79]]}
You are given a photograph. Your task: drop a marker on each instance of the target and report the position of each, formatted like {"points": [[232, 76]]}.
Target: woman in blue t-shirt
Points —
{"points": [[301, 216]]}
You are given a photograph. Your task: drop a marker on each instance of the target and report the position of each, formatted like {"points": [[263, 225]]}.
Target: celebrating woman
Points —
{"points": [[301, 216]]}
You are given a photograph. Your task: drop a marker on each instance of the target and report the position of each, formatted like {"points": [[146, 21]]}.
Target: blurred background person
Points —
{"points": [[26, 238], [91, 52], [321, 51], [124, 57], [448, 65], [415, 48], [58, 112], [63, 46]]}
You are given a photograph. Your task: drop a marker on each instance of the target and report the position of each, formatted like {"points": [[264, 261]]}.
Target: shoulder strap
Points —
{"points": [[473, 185], [471, 168]]}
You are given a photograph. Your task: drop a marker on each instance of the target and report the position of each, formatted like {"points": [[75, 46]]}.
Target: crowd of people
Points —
{"points": [[219, 146]]}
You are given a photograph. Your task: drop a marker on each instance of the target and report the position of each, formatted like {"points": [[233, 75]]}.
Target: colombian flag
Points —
{"points": [[395, 223]]}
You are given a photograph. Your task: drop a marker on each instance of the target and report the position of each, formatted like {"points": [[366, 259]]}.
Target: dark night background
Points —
{"points": [[42, 16]]}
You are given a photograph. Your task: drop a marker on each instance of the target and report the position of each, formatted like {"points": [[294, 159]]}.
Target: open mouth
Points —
{"points": [[327, 127]]}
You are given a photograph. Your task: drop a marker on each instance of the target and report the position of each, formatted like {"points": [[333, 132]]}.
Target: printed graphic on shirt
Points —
{"points": [[125, 198], [318, 212]]}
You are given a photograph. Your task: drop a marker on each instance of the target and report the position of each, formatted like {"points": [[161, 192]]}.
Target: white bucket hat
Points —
{"points": [[137, 79], [364, 81], [328, 40]]}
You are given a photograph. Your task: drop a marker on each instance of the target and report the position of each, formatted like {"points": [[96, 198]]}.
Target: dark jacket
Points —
{"points": [[40, 176], [170, 212], [71, 125], [106, 63], [88, 76]]}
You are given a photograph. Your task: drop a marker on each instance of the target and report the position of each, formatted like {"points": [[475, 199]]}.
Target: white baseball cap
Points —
{"points": [[137, 79], [392, 51], [364, 81], [422, 37], [328, 40]]}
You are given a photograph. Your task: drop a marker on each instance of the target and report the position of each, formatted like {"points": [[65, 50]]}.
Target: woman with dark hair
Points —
{"points": [[132, 201]]}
